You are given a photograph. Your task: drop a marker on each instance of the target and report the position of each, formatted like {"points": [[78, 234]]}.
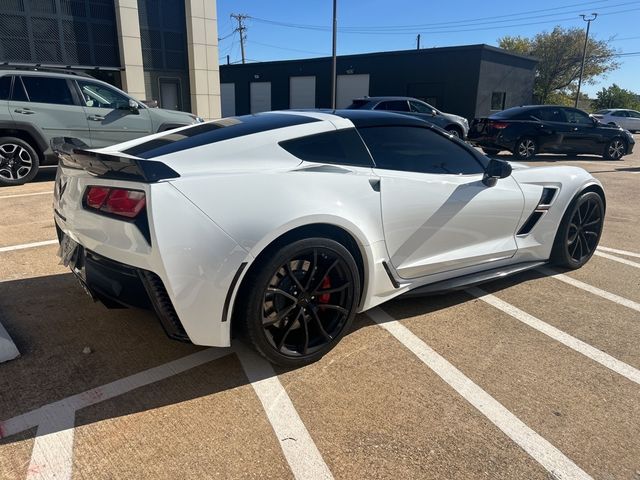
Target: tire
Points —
{"points": [[525, 149], [286, 315], [579, 232], [490, 151], [615, 149], [455, 131], [19, 162]]}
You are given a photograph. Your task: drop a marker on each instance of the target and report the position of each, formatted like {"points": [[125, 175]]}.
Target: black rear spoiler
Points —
{"points": [[73, 153]]}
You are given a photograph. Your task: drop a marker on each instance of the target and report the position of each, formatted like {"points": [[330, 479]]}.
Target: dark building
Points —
{"points": [[470, 80]]}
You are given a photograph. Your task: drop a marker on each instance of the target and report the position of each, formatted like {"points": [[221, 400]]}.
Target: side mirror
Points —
{"points": [[495, 170], [133, 106], [434, 112]]}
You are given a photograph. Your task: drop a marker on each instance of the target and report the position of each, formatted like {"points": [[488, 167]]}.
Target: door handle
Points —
{"points": [[95, 118], [24, 111], [575, 129]]}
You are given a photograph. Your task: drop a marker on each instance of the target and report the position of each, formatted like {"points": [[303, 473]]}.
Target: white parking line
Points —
{"points": [[52, 455], [11, 248], [579, 346], [591, 289], [26, 194], [619, 252], [297, 445], [542, 451], [617, 259]]}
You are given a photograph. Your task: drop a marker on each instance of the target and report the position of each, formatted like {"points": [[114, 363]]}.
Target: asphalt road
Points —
{"points": [[537, 376]]}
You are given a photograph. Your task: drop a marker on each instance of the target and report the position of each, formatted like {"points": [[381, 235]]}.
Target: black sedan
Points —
{"points": [[526, 131]]}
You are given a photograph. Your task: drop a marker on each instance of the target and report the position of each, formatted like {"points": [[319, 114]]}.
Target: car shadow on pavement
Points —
{"points": [[52, 322]]}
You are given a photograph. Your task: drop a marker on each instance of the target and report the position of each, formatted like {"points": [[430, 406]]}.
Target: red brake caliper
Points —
{"points": [[325, 297]]}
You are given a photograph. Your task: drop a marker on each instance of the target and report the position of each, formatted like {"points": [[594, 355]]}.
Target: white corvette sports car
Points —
{"points": [[285, 224]]}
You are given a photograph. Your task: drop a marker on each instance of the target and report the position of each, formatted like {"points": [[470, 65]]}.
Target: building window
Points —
{"points": [[498, 100]]}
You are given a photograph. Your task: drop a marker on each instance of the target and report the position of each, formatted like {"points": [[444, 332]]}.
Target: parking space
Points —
{"points": [[536, 376]]}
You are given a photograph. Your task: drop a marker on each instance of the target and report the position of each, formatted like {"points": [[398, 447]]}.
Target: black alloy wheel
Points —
{"points": [[18, 161], [302, 301], [580, 231], [615, 149], [526, 148]]}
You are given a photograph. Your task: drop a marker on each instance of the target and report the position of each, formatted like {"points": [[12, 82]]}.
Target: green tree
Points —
{"points": [[616, 97], [559, 53]]}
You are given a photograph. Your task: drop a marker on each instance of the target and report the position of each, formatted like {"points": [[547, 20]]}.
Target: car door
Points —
{"points": [[633, 121], [436, 212], [550, 128], [110, 117], [50, 104], [583, 135]]}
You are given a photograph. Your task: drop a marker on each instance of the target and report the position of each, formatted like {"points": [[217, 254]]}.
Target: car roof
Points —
{"points": [[375, 118], [383, 98]]}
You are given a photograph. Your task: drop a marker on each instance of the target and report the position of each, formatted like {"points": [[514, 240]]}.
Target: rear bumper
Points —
{"points": [[118, 285], [494, 141]]}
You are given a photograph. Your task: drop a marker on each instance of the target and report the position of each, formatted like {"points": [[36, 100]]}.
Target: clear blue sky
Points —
{"points": [[441, 23]]}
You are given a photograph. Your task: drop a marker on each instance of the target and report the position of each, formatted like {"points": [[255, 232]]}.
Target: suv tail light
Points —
{"points": [[498, 125], [115, 201]]}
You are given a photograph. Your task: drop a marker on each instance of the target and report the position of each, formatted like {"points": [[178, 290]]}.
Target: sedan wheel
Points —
{"points": [[454, 132], [525, 149], [580, 231], [309, 293], [615, 150]]}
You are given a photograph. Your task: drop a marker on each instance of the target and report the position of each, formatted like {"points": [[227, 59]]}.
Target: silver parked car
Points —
{"points": [[36, 106], [627, 119], [454, 124]]}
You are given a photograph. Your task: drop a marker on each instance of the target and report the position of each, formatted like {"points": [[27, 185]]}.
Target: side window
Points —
{"points": [[416, 149], [551, 115], [343, 147], [19, 94], [5, 87], [420, 107], [576, 116], [99, 96], [619, 113], [394, 105], [47, 90], [633, 114]]}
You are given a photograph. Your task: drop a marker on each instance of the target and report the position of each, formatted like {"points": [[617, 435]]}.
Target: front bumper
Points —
{"points": [[117, 285]]}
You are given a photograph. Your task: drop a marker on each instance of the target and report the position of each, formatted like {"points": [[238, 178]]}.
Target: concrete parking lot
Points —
{"points": [[537, 376]]}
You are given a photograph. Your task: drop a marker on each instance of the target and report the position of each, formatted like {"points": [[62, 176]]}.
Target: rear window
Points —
{"points": [[212, 132], [394, 106], [511, 113], [48, 90], [602, 112], [357, 104], [342, 147], [5, 87]]}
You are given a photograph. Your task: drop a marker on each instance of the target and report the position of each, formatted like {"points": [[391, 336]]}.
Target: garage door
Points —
{"points": [[228, 99], [302, 92], [260, 96], [350, 87]]}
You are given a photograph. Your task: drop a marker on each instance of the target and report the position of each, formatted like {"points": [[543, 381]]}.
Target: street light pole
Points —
{"points": [[588, 19], [333, 59]]}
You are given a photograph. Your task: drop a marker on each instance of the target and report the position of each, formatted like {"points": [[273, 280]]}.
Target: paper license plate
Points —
{"points": [[67, 251]]}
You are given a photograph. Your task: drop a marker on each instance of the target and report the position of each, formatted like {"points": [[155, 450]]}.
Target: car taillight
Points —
{"points": [[115, 201], [498, 125]]}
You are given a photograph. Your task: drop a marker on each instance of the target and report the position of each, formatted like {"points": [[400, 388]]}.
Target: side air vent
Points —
{"points": [[531, 222], [548, 194], [163, 306]]}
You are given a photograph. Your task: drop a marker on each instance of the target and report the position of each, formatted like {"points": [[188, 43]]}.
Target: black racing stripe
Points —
{"points": [[212, 132]]}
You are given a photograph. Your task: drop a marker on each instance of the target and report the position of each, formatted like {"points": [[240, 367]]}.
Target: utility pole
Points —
{"points": [[418, 42], [588, 19], [241, 28], [333, 59]]}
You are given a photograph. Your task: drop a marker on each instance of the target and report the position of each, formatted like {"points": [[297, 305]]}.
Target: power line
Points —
{"points": [[288, 48], [401, 30], [418, 26]]}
